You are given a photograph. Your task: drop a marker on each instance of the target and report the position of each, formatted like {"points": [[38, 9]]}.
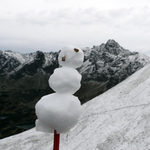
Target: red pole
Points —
{"points": [[56, 140]]}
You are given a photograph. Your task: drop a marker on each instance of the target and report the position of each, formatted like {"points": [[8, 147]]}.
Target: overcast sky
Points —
{"points": [[48, 25]]}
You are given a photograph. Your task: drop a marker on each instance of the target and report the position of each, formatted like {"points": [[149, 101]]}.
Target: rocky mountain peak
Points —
{"points": [[113, 47], [39, 55], [112, 43]]}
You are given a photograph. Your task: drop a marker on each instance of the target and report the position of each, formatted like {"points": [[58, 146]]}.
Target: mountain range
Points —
{"points": [[118, 119], [24, 79]]}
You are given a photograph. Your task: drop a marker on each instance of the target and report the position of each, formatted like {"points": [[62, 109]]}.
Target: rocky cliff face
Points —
{"points": [[24, 79]]}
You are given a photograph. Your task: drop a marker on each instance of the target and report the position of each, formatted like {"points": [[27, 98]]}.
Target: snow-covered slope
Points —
{"points": [[119, 119]]}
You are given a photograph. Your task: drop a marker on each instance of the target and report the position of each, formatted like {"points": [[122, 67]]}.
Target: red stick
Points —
{"points": [[56, 140]]}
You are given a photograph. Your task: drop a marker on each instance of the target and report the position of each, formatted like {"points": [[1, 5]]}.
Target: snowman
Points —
{"points": [[60, 111]]}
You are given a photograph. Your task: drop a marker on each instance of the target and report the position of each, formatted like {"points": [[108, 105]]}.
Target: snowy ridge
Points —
{"points": [[109, 57], [101, 59], [110, 121], [50, 58], [16, 55]]}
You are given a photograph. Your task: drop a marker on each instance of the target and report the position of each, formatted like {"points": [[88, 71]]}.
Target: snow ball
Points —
{"points": [[71, 56], [65, 80], [58, 112]]}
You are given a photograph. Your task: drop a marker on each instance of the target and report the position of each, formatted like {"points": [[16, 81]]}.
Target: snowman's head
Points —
{"points": [[71, 56]]}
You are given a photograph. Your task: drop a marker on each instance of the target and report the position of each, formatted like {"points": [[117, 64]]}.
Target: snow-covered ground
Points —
{"points": [[119, 119]]}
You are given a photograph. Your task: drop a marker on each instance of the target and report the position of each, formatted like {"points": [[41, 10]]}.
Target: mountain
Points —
{"points": [[107, 65], [24, 79], [118, 119]]}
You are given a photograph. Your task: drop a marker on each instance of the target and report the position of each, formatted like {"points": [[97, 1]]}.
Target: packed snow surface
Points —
{"points": [[71, 56], [65, 80], [61, 112], [119, 119]]}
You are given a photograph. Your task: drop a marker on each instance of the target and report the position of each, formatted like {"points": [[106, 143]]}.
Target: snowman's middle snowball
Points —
{"points": [[65, 80]]}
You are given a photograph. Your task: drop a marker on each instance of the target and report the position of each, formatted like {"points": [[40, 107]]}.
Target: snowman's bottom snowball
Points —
{"points": [[58, 112], [42, 127]]}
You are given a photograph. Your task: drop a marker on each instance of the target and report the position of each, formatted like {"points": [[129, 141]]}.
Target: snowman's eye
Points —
{"points": [[76, 50], [63, 58]]}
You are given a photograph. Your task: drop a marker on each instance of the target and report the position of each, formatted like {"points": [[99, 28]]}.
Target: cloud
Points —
{"points": [[31, 17], [141, 18], [122, 18], [116, 18], [65, 16], [53, 28]]}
